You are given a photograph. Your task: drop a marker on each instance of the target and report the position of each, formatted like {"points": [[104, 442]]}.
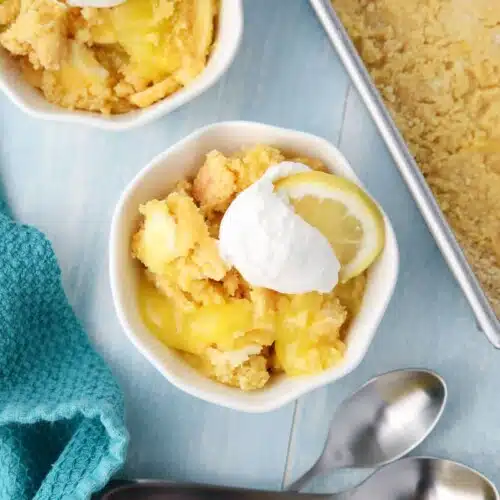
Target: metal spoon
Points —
{"points": [[384, 420], [406, 479]]}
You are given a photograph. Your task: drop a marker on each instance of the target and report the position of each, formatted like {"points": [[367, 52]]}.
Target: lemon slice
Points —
{"points": [[343, 212]]}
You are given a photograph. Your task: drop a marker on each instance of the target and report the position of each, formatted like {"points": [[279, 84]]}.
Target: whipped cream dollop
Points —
{"points": [[273, 247], [100, 4]]}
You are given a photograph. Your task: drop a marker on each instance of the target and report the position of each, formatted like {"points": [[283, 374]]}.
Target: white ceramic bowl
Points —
{"points": [[155, 180], [30, 100]]}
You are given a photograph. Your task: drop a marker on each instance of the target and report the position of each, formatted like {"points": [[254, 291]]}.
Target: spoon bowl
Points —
{"points": [[423, 478], [384, 420]]}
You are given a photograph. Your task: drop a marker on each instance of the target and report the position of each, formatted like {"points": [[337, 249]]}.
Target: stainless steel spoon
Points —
{"points": [[384, 420], [406, 479]]}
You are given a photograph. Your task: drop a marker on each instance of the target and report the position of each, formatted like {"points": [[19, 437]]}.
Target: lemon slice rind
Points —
{"points": [[358, 204]]}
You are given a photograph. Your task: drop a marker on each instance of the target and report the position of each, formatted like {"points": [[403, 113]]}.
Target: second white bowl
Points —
{"points": [[31, 101], [155, 180]]}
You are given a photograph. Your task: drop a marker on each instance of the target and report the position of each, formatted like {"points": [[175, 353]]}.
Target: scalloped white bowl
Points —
{"points": [[155, 180], [32, 102]]}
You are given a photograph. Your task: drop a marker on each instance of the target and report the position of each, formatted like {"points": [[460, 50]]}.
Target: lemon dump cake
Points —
{"points": [[109, 60], [437, 66], [192, 291]]}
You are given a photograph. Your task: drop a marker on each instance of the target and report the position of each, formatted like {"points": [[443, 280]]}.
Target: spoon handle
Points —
{"points": [[164, 490], [303, 480]]}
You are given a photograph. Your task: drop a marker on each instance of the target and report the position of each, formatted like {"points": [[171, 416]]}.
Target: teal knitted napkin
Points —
{"points": [[62, 433]]}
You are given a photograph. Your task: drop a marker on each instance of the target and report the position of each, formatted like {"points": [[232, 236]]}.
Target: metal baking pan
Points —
{"points": [[438, 226]]}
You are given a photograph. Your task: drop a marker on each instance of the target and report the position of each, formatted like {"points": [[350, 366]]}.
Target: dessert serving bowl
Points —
{"points": [[31, 100], [154, 181]]}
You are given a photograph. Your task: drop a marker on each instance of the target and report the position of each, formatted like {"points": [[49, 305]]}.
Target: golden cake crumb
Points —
{"points": [[39, 32], [9, 10], [437, 66], [221, 178]]}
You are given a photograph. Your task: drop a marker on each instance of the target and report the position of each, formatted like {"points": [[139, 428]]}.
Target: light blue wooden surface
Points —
{"points": [[66, 180]]}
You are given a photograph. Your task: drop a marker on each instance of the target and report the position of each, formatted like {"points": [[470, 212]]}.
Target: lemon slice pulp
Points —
{"points": [[343, 212]]}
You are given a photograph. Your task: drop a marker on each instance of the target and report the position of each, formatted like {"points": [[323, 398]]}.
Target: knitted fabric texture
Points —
{"points": [[62, 432]]}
